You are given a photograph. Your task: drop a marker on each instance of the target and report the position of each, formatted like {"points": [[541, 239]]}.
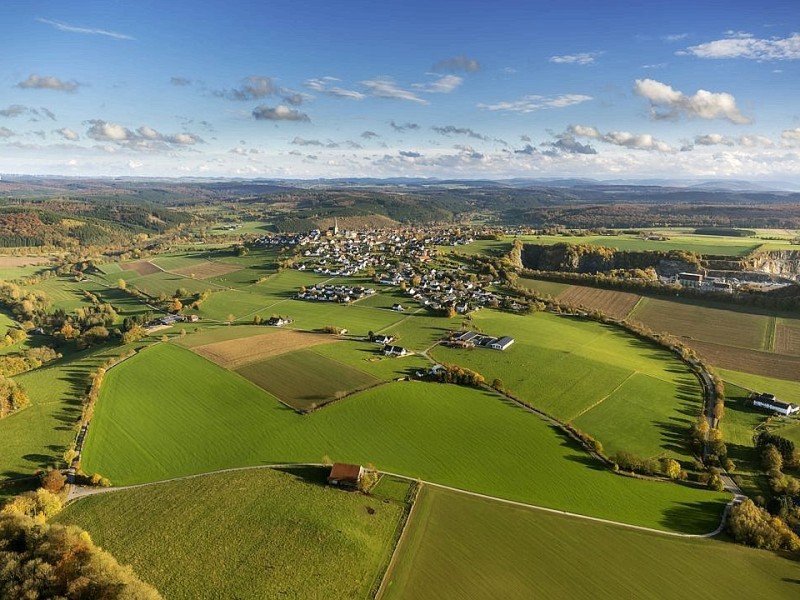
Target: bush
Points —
{"points": [[53, 480]]}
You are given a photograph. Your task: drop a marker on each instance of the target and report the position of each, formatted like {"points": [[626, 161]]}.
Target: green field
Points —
{"points": [[629, 394], [458, 546], [786, 390], [36, 437], [305, 380], [702, 244], [551, 288], [248, 534], [167, 412]]}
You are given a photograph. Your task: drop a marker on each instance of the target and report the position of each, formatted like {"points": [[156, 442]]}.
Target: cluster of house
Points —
{"points": [[439, 289], [343, 254], [770, 402], [169, 320], [472, 339], [387, 347], [342, 294]]}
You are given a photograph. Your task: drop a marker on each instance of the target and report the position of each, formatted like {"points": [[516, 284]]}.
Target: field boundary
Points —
{"points": [[399, 536], [769, 334], [604, 398], [76, 492]]}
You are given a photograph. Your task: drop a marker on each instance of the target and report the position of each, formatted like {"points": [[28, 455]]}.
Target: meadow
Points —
{"points": [[168, 412], [702, 244], [629, 394], [306, 380], [459, 546], [37, 436], [248, 534]]}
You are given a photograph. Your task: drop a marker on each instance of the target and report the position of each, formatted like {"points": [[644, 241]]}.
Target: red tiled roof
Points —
{"points": [[344, 472]]}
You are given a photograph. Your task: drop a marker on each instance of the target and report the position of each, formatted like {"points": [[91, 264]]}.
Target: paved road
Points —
{"points": [[77, 492]]}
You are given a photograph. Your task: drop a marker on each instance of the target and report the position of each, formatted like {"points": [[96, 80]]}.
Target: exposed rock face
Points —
{"points": [[781, 263], [583, 258]]}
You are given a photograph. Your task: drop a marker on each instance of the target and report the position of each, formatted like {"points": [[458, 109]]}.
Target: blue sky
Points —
{"points": [[469, 89]]}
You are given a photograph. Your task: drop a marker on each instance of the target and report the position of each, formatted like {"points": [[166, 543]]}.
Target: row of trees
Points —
{"points": [[31, 358], [754, 526], [460, 376]]}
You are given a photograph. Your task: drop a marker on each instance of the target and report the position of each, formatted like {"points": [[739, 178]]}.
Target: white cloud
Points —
{"points": [[5, 132], [791, 134], [385, 87], [674, 37], [529, 104], [86, 30], [144, 138], [444, 85], [37, 82], [279, 113], [68, 134], [322, 85], [252, 88], [668, 103], [634, 141], [713, 139], [752, 141], [582, 58], [744, 45]]}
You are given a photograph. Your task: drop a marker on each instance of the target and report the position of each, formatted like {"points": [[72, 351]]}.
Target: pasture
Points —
{"points": [[549, 288], [282, 534], [459, 546], [36, 437], [306, 380], [678, 240], [168, 412], [629, 394]]}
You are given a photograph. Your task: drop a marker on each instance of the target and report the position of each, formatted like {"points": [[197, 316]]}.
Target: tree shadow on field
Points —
{"points": [[697, 517], [312, 475], [674, 435]]}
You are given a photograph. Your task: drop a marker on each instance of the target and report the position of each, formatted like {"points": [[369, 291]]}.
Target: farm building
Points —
{"points": [[346, 476], [394, 351], [501, 343], [770, 402], [278, 321], [398, 307], [382, 339], [690, 279], [170, 319]]}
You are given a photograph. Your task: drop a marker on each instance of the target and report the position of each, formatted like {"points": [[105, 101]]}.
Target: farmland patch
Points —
{"points": [[236, 353], [207, 270], [141, 267], [306, 380], [612, 303]]}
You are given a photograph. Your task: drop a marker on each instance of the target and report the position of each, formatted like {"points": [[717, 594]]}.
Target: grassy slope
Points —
{"points": [[195, 417], [277, 535], [703, 244], [627, 393], [37, 436], [463, 547]]}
